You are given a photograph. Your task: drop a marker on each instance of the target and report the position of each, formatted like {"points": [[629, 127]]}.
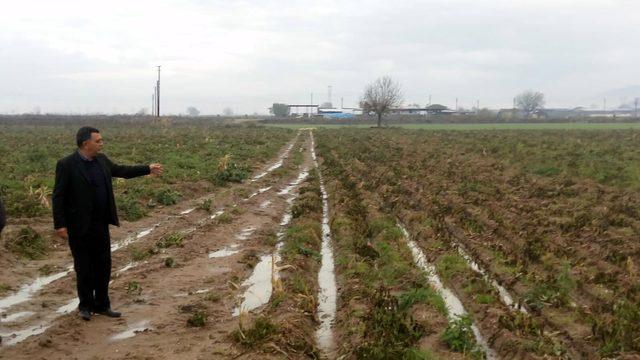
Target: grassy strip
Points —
{"points": [[387, 308], [515, 334], [288, 324]]}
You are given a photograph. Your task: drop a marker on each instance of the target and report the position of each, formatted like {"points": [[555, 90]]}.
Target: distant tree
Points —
{"points": [[193, 111], [530, 101], [280, 109], [142, 112], [227, 111], [380, 96]]}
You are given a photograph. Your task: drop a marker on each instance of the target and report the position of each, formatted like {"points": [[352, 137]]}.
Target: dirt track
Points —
{"points": [[243, 218]]}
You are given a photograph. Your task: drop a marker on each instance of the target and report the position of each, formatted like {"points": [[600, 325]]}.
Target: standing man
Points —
{"points": [[83, 208]]}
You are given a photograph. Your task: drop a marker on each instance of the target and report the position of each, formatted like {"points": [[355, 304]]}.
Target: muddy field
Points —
{"points": [[354, 244]]}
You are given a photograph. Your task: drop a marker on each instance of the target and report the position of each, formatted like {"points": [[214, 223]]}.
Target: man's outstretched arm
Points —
{"points": [[129, 172]]}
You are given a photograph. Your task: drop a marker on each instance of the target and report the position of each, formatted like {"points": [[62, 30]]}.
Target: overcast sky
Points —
{"points": [[101, 56]]}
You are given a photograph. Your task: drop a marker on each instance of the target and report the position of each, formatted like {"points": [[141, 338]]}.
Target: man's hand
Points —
{"points": [[156, 169], [62, 232]]}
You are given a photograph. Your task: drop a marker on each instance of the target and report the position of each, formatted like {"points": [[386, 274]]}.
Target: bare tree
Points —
{"points": [[380, 96], [530, 101], [227, 111], [193, 111]]}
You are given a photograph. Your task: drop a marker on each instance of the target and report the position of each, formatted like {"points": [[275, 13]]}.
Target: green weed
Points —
{"points": [[261, 330], [173, 239], [28, 244]]}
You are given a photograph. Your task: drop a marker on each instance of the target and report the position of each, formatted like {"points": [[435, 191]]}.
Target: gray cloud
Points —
{"points": [[248, 54]]}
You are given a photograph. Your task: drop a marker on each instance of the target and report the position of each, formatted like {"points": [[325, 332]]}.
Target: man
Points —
{"points": [[83, 208]]}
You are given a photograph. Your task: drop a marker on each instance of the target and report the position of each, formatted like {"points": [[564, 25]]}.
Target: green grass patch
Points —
{"points": [[459, 337], [450, 265], [28, 244], [173, 239], [389, 330], [260, 331], [426, 296]]}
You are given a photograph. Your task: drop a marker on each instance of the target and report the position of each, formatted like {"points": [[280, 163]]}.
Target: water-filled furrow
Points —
{"points": [[327, 295], [454, 305]]}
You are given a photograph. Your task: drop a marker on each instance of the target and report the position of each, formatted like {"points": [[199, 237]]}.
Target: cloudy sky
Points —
{"points": [[101, 56]]}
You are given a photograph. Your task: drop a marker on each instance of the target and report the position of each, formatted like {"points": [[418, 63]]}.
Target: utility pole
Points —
{"points": [[636, 110], [158, 94], [429, 100], [329, 96], [456, 104], [342, 103], [477, 107], [153, 103], [311, 101], [604, 104]]}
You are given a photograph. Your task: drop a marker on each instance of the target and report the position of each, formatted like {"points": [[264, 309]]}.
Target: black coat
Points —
{"points": [[73, 192], [3, 216]]}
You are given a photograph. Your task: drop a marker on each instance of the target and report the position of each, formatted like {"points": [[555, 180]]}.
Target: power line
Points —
{"points": [[158, 94]]}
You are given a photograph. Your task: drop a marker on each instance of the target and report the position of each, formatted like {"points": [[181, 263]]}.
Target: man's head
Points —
{"points": [[89, 140]]}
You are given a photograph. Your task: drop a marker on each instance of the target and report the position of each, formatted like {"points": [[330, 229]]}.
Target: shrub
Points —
{"points": [[205, 205], [173, 239], [198, 319], [261, 330], [168, 197], [232, 173], [130, 208], [389, 330], [459, 335], [28, 244]]}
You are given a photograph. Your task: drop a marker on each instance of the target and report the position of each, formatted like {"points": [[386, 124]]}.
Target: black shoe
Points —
{"points": [[109, 313], [85, 315]]}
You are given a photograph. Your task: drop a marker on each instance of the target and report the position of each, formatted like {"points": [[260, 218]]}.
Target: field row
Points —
{"points": [[196, 157], [491, 225]]}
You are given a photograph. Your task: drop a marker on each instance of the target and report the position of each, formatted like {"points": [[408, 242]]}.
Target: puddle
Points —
{"points": [[303, 175], [216, 214], [260, 191], [187, 211], [141, 326], [259, 286], [14, 337], [222, 253], [246, 233], [133, 238], [276, 165], [454, 305], [68, 307], [188, 231], [26, 291], [129, 266], [326, 276], [505, 296], [16, 316]]}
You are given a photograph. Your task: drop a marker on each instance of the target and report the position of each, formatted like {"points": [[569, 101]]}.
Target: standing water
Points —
{"points": [[454, 305], [326, 277], [260, 283]]}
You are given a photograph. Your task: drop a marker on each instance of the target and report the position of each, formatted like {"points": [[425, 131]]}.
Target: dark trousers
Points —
{"points": [[92, 263]]}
